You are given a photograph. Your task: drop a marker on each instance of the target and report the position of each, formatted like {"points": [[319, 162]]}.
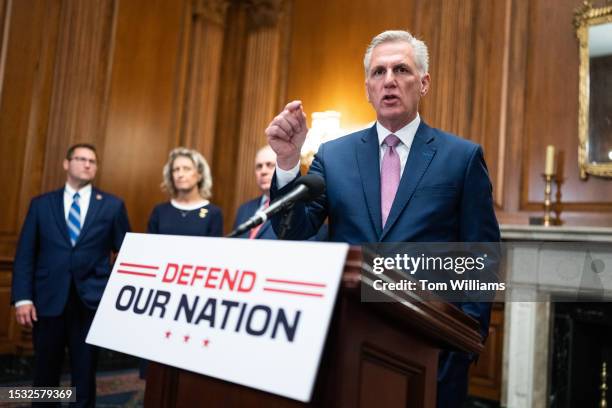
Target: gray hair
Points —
{"points": [[204, 185], [263, 149], [421, 55]]}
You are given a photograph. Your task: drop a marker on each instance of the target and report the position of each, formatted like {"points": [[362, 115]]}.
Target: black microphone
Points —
{"points": [[307, 188]]}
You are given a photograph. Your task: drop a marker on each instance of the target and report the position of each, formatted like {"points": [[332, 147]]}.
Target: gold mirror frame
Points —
{"points": [[585, 17]]}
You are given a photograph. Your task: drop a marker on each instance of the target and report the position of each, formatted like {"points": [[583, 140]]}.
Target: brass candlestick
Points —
{"points": [[547, 199], [604, 385]]}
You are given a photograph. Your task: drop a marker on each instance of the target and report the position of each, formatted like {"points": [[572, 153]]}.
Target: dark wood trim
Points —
{"points": [[5, 20], [229, 110], [80, 82]]}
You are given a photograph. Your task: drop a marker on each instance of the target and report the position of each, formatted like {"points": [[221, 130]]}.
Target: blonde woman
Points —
{"points": [[187, 179]]}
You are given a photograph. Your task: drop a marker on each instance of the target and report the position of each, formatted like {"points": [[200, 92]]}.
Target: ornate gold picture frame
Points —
{"points": [[585, 19]]}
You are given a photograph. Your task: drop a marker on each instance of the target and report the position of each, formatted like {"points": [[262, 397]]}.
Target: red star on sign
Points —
{"points": [[168, 334], [205, 342], [186, 338]]}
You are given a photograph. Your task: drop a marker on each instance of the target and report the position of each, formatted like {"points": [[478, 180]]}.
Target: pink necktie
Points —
{"points": [[255, 230], [389, 176]]}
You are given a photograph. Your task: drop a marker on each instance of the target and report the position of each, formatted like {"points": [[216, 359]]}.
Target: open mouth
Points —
{"points": [[390, 98]]}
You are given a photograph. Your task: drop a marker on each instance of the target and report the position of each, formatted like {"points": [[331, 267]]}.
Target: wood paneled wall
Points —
{"points": [[551, 113], [144, 106], [136, 78], [29, 32], [139, 77]]}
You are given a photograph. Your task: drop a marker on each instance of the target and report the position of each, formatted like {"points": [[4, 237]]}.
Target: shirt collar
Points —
{"points": [[84, 191], [405, 134], [189, 207]]}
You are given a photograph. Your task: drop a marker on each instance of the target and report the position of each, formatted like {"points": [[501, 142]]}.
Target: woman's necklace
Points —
{"points": [[185, 210], [203, 212]]}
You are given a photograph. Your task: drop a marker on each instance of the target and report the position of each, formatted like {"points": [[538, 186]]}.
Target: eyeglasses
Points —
{"points": [[84, 160]]}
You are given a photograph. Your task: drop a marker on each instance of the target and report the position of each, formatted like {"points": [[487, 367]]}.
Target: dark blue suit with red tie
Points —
{"points": [[444, 195], [66, 282], [248, 209]]}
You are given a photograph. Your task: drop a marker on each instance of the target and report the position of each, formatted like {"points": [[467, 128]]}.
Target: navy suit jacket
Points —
{"points": [[444, 196], [46, 263], [246, 211]]}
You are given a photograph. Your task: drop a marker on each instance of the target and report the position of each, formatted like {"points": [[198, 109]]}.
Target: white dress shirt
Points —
{"points": [[263, 199], [84, 197], [405, 135]]}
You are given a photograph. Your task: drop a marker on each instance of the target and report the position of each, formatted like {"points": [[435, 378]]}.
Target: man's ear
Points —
{"points": [[366, 91], [425, 82], [65, 164]]}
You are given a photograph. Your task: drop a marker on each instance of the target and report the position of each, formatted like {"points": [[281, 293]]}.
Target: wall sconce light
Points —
{"points": [[325, 127]]}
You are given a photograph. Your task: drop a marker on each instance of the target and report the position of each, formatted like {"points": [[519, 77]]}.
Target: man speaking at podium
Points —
{"points": [[398, 181]]}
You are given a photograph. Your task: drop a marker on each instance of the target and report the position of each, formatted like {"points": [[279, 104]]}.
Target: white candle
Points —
{"points": [[549, 168]]}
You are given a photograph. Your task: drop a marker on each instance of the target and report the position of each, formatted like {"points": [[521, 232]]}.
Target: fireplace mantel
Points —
{"points": [[540, 233]]}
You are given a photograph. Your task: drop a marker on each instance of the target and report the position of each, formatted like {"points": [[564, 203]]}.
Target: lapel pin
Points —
{"points": [[203, 212], [98, 196]]}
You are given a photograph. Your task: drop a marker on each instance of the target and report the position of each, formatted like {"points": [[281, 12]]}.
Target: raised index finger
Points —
{"points": [[296, 116], [293, 105]]}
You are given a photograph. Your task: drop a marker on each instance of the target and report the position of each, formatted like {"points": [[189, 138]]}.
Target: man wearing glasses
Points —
{"points": [[61, 267]]}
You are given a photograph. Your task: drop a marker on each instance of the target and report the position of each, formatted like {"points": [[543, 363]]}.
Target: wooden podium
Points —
{"points": [[377, 354]]}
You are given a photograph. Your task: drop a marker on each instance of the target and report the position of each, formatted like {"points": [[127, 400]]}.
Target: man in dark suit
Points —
{"points": [[398, 181], [61, 268], [265, 161]]}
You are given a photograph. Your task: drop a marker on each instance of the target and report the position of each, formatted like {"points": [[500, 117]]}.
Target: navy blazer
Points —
{"points": [[246, 211], [444, 196], [46, 263]]}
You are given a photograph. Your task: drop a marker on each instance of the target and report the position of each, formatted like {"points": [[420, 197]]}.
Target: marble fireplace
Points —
{"points": [[553, 345]]}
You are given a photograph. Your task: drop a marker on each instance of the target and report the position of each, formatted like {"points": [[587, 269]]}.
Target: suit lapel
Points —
{"points": [[95, 203], [266, 225], [421, 154], [368, 163], [58, 213]]}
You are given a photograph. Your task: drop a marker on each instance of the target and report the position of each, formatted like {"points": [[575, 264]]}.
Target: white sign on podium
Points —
{"points": [[253, 312]]}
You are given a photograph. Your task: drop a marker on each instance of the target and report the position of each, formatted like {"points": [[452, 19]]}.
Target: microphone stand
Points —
{"points": [[306, 188], [285, 225]]}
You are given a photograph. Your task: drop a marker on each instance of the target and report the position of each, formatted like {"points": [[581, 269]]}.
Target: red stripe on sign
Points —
{"points": [[149, 275], [139, 266], [317, 285], [293, 292]]}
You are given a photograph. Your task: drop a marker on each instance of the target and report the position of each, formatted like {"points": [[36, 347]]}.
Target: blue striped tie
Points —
{"points": [[74, 219]]}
